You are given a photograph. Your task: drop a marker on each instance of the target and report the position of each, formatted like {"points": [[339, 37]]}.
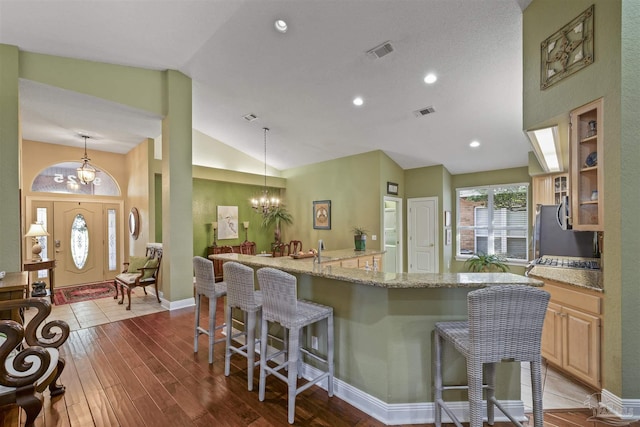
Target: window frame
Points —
{"points": [[490, 189]]}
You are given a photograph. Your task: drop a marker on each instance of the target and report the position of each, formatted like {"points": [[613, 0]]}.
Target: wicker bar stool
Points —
{"points": [[241, 294], [206, 286], [281, 305], [504, 325]]}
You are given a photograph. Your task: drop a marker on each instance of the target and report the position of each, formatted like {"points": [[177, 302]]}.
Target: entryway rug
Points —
{"points": [[86, 292]]}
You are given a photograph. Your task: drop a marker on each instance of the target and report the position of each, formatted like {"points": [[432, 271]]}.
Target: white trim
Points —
{"points": [[405, 413], [625, 409], [174, 305]]}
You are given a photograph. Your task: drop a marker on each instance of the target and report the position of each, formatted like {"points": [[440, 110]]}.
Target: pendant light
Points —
{"points": [[265, 204], [86, 172]]}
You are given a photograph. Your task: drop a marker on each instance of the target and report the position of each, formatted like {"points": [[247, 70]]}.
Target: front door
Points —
{"points": [[78, 232], [423, 238]]}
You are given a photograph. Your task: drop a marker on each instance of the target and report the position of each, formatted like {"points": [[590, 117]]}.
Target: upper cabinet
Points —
{"points": [[549, 190], [586, 167]]}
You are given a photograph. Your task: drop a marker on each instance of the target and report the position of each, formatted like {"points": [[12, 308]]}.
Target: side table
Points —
{"points": [[44, 264], [13, 286]]}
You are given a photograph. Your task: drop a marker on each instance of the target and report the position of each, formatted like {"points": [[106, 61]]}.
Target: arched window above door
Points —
{"points": [[62, 178]]}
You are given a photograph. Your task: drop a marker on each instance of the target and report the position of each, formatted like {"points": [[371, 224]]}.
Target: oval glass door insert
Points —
{"points": [[79, 241]]}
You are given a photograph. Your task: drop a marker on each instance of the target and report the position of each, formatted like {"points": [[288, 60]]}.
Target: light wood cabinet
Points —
{"points": [[571, 335], [586, 167], [549, 190], [359, 262]]}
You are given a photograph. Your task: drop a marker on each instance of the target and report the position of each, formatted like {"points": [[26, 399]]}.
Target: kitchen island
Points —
{"points": [[384, 329]]}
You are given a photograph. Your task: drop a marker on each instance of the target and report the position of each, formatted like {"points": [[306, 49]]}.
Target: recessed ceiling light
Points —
{"points": [[358, 101], [430, 78], [474, 144], [281, 26]]}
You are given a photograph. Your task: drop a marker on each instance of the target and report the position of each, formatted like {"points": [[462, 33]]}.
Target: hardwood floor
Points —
{"points": [[143, 372]]}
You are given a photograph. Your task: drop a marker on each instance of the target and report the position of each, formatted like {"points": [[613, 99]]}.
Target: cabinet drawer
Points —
{"points": [[573, 298]]}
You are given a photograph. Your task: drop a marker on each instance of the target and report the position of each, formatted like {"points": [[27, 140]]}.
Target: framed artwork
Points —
{"points": [[322, 215], [447, 218], [392, 188], [568, 50], [227, 222]]}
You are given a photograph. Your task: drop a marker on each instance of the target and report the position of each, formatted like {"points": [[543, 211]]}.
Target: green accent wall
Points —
{"points": [[10, 227]]}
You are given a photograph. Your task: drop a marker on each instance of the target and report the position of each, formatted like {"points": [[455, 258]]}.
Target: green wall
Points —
{"points": [[600, 79], [207, 196], [354, 184]]}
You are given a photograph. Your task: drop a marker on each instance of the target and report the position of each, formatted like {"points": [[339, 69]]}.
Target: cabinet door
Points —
{"points": [[587, 169], [552, 335], [349, 263], [581, 345]]}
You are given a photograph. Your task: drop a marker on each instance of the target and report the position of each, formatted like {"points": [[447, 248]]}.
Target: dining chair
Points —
{"points": [[206, 286], [295, 246], [504, 324], [248, 248], [241, 295], [280, 304], [279, 249]]}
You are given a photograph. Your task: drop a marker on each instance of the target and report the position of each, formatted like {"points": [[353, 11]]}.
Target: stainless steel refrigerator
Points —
{"points": [[550, 239]]}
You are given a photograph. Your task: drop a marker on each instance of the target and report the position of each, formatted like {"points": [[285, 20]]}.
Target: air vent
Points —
{"points": [[424, 111], [381, 50], [250, 117]]}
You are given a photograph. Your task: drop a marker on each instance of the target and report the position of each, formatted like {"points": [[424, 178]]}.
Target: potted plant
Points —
{"points": [[481, 262], [276, 216], [360, 238]]}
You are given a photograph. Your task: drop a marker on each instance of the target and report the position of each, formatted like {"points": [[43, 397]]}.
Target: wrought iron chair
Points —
{"points": [[29, 360]]}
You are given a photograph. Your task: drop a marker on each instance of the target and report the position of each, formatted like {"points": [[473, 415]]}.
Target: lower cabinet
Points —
{"points": [[362, 262], [571, 336]]}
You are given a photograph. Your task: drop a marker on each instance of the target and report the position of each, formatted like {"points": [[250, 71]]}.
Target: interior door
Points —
{"points": [[392, 235], [78, 242], [422, 224]]}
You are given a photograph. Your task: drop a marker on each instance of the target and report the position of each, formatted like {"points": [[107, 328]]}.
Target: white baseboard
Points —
{"points": [[612, 406], [406, 413], [174, 305]]}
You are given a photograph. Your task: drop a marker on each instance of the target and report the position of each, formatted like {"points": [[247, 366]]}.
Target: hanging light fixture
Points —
{"points": [[264, 203], [86, 172]]}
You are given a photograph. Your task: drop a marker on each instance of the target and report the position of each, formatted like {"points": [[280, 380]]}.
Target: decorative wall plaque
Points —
{"points": [[568, 50]]}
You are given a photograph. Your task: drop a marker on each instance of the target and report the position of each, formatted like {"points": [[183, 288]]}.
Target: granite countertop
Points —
{"points": [[381, 279], [580, 278]]}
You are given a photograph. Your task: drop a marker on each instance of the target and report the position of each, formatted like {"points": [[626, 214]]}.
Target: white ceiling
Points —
{"points": [[300, 84]]}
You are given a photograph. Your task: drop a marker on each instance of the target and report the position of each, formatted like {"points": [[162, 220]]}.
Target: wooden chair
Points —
{"points": [[30, 363], [248, 248], [139, 272], [295, 246], [279, 249]]}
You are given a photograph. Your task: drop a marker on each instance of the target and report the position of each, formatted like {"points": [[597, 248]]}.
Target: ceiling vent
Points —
{"points": [[250, 117], [424, 111], [381, 50]]}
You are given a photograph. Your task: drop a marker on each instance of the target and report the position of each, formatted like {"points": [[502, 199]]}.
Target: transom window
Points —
{"points": [[493, 220]]}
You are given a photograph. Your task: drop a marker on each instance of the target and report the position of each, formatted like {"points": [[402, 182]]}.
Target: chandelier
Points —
{"points": [[86, 172], [264, 204]]}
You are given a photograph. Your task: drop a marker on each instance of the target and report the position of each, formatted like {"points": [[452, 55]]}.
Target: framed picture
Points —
{"points": [[447, 218], [227, 222], [322, 215], [392, 188]]}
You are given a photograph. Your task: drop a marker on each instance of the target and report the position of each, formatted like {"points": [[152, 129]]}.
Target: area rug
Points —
{"points": [[86, 292]]}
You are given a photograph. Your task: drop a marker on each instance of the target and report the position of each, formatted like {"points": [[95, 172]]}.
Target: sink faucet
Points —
{"points": [[320, 249]]}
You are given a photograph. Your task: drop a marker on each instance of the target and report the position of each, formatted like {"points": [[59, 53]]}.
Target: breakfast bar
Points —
{"points": [[384, 329]]}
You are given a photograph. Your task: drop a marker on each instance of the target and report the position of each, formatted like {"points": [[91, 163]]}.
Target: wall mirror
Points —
{"points": [[134, 223]]}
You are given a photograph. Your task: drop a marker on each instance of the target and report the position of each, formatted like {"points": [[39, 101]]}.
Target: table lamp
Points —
{"points": [[215, 227], [246, 230], [35, 231]]}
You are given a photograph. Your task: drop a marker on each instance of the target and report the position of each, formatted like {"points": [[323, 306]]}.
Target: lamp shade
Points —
{"points": [[36, 230]]}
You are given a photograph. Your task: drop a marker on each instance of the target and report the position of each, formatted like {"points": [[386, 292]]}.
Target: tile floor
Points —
{"points": [[86, 314], [558, 391]]}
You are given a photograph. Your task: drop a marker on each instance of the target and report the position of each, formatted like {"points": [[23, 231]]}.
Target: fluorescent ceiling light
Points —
{"points": [[547, 148]]}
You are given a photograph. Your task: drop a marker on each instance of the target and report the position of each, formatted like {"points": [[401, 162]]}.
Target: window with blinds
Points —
{"points": [[493, 220]]}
